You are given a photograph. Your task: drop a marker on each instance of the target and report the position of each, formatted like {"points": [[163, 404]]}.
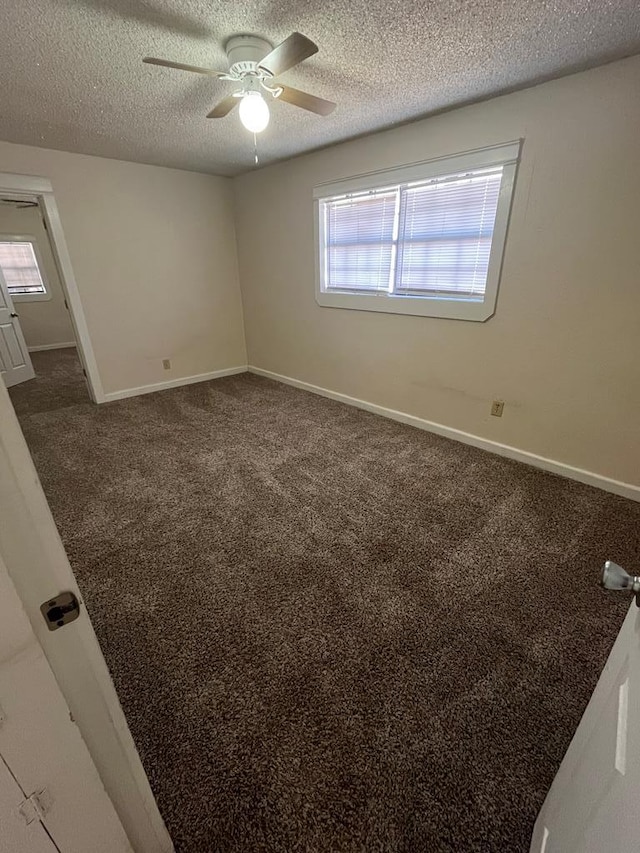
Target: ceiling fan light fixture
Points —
{"points": [[255, 64], [254, 112]]}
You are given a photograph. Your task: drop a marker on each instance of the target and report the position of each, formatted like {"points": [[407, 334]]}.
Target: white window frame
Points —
{"points": [[29, 297], [450, 307]]}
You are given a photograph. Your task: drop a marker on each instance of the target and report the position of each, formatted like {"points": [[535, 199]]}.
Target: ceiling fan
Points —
{"points": [[254, 62]]}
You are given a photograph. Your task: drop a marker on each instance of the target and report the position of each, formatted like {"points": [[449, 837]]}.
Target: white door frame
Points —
{"points": [[32, 187]]}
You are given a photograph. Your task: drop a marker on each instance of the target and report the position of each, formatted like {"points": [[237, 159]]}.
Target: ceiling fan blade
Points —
{"points": [[306, 101], [288, 53], [150, 60], [224, 107]]}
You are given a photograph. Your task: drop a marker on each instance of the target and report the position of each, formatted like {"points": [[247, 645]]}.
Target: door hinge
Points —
{"points": [[36, 806], [84, 372], [66, 304]]}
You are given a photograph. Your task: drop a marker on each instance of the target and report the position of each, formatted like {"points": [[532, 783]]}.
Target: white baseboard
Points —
{"points": [[626, 490], [171, 383], [52, 346]]}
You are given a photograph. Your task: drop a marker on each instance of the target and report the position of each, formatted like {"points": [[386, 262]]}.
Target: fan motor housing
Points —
{"points": [[244, 52]]}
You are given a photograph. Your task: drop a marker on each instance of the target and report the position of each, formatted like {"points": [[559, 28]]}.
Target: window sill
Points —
{"points": [[418, 306], [30, 297]]}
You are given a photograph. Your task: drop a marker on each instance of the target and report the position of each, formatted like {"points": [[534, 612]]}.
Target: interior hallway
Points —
{"points": [[59, 383], [329, 631]]}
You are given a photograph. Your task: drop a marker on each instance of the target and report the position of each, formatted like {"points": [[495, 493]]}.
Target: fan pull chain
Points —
{"points": [[255, 148]]}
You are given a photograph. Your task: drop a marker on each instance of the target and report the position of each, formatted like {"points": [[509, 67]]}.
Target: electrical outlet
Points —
{"points": [[166, 363], [497, 408]]}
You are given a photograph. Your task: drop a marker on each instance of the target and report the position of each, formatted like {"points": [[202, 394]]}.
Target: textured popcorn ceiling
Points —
{"points": [[72, 76]]}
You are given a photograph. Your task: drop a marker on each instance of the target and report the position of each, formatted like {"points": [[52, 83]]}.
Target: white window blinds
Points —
{"points": [[428, 238], [20, 268], [360, 237], [446, 231]]}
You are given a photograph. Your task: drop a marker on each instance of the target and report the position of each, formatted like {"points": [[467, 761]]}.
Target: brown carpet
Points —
{"points": [[329, 631]]}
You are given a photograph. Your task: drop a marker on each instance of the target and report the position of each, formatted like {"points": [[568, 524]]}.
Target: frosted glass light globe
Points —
{"points": [[254, 112]]}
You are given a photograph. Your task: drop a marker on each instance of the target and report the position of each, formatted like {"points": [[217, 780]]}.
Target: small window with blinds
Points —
{"points": [[21, 270], [426, 239]]}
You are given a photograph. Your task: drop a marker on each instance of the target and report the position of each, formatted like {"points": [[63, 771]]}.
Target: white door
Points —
{"points": [[15, 363], [51, 797], [18, 835], [593, 802]]}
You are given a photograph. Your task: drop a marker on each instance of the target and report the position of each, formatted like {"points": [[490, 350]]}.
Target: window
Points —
{"points": [[425, 239], [21, 269]]}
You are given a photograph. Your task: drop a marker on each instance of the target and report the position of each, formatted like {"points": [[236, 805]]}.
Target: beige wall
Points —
{"points": [[563, 349], [43, 322], [153, 252]]}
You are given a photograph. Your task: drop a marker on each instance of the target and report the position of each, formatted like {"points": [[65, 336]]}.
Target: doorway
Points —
{"points": [[40, 306], [38, 355]]}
